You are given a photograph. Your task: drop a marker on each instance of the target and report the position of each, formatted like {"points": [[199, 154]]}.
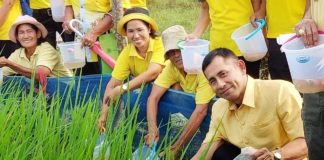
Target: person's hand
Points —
{"points": [[263, 154], [8, 3], [3, 61], [114, 93], [191, 36], [89, 39], [174, 153], [256, 16], [307, 29], [102, 119], [151, 137], [65, 26]]}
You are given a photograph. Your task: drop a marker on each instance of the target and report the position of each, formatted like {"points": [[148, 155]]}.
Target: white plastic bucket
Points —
{"points": [[193, 53], [58, 10], [72, 53], [251, 41], [306, 65], [1, 76]]}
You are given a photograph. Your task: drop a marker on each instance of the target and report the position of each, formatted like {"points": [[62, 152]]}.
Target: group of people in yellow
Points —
{"points": [[262, 114]]}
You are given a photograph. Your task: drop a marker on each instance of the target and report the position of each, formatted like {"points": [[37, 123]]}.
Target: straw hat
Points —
{"points": [[22, 20], [132, 16], [171, 36]]}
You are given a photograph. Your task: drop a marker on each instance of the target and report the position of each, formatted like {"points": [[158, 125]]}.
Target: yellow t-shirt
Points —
{"points": [[102, 6], [134, 3], [44, 55], [283, 15], [270, 116], [130, 62], [11, 17], [40, 4], [317, 10], [191, 83], [226, 16]]}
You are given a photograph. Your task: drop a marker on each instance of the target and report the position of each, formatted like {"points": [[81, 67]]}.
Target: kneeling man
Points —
{"points": [[263, 114]]}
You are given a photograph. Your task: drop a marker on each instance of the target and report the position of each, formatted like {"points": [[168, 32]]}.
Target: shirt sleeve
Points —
{"points": [[216, 129], [167, 77], [47, 56], [68, 2], [204, 93], [122, 70], [289, 110], [158, 52], [7, 71]]}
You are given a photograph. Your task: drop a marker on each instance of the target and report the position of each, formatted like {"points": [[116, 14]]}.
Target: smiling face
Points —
{"points": [[228, 78], [176, 58], [27, 35], [138, 33]]}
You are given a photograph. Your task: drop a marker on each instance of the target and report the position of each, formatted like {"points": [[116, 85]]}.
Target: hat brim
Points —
{"points": [[12, 31], [132, 16]]}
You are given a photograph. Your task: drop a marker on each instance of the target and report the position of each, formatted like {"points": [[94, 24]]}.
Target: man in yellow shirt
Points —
{"points": [[43, 14], [313, 112], [190, 83], [224, 16], [263, 114], [9, 11], [282, 16]]}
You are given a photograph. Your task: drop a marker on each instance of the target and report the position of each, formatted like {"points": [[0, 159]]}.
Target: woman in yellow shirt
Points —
{"points": [[142, 58]]}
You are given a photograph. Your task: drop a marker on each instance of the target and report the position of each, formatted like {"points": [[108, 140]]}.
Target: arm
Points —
{"points": [[4, 10], [210, 152], [307, 28], [191, 128], [152, 107], [23, 70], [67, 17], [104, 25], [259, 7], [203, 21]]}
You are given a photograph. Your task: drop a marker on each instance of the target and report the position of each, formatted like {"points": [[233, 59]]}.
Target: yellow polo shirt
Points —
{"points": [[102, 6], [270, 116], [317, 10], [226, 16], [130, 62], [191, 83], [40, 4], [11, 17], [44, 55], [283, 15], [134, 3]]}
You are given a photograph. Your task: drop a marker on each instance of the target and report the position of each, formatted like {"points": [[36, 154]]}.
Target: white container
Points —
{"points": [[193, 53], [306, 65], [58, 10], [1, 76], [72, 53], [251, 41]]}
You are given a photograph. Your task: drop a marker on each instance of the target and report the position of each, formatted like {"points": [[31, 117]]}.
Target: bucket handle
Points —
{"points": [[178, 44], [74, 29], [295, 36], [262, 21]]}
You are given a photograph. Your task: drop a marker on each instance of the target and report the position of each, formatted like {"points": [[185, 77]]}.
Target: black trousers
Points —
{"points": [[7, 47], [44, 16], [226, 151], [252, 68], [277, 62]]}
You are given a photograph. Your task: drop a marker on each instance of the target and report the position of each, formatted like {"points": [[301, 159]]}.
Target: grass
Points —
{"points": [[167, 13]]}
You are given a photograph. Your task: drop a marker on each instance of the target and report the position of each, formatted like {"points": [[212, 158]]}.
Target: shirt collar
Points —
{"points": [[22, 53], [133, 51], [248, 99]]}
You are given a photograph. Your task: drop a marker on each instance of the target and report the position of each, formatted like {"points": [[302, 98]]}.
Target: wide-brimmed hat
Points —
{"points": [[132, 16], [171, 36], [22, 20]]}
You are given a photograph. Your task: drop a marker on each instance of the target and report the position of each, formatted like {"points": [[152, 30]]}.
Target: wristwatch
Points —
{"points": [[124, 87], [277, 154]]}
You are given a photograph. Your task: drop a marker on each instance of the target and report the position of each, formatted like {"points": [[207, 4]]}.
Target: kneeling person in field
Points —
{"points": [[263, 114], [172, 74]]}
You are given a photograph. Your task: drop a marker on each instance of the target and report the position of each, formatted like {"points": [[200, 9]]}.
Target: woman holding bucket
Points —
{"points": [[142, 58], [34, 52]]}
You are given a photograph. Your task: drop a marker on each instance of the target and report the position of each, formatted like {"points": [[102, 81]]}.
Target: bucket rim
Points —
{"points": [[247, 35], [284, 47], [180, 43]]}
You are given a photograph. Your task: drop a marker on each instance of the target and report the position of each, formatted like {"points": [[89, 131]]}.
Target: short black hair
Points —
{"points": [[222, 52], [39, 40], [143, 11]]}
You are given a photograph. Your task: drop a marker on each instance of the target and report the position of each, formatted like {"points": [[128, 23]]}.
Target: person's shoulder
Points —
{"points": [[275, 86]]}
